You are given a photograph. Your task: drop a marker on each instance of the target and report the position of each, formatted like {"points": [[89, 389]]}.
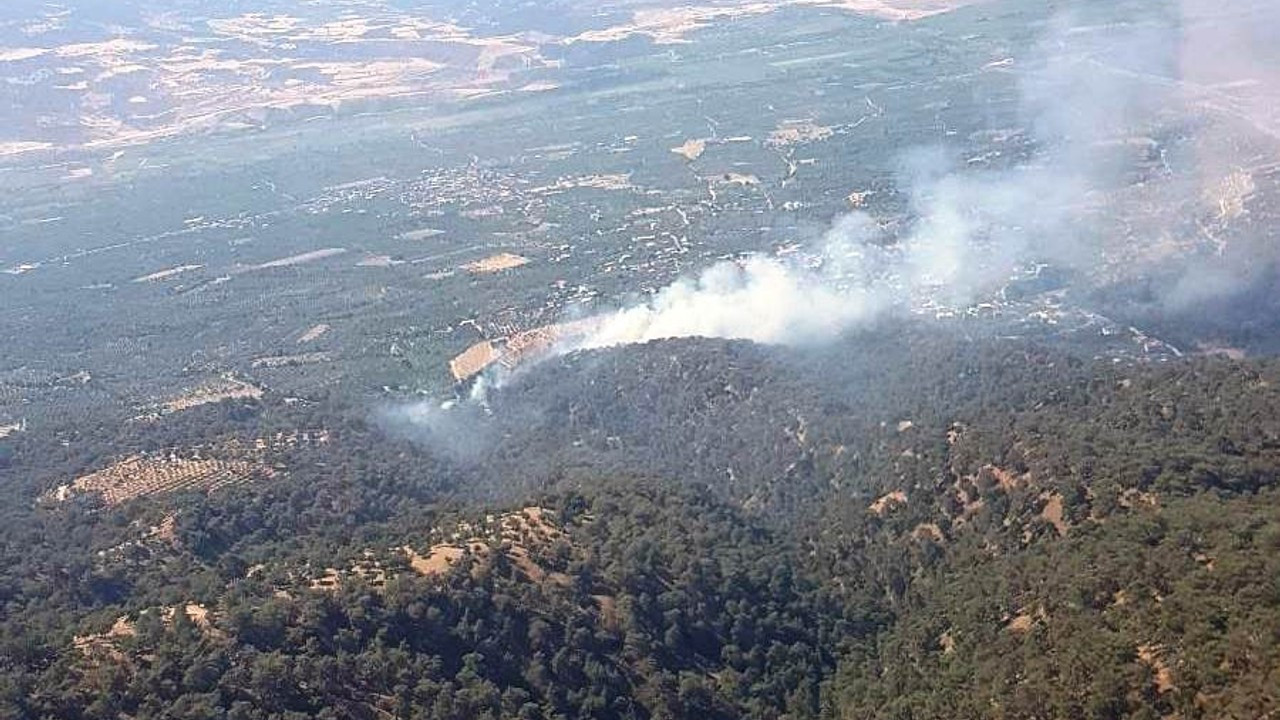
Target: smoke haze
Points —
{"points": [[1142, 145], [1093, 96]]}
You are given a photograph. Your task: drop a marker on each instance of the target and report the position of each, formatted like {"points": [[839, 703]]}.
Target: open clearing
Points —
{"points": [[143, 475], [224, 388], [166, 274], [300, 258], [474, 360], [795, 132], [520, 347], [691, 149], [518, 533], [315, 333], [1152, 657], [496, 263], [279, 361], [670, 26], [887, 501], [423, 234]]}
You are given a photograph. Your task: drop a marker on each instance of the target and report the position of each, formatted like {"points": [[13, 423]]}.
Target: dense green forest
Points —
{"points": [[909, 523]]}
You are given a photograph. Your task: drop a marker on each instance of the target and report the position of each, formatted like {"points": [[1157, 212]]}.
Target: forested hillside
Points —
{"points": [[906, 524]]}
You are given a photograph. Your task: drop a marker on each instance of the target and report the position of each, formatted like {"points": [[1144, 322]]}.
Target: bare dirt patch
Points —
{"points": [[496, 263], [1153, 657], [930, 531], [515, 535], [1026, 619], [437, 561], [669, 26], [315, 333], [947, 642], [610, 181], [366, 569], [1003, 479], [300, 258], [226, 387], [379, 261], [279, 361], [520, 347], [1133, 498], [530, 344], [19, 148], [1020, 624], [330, 580], [105, 645], [166, 274], [474, 360], [691, 149], [796, 132], [1053, 512], [888, 501], [9, 55], [197, 613], [897, 10], [423, 234], [608, 605]]}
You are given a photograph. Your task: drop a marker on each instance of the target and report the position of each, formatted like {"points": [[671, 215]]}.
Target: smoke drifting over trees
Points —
{"points": [[1133, 182], [1096, 101]]}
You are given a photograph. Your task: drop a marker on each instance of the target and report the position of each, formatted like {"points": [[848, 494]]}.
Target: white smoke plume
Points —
{"points": [[971, 236], [761, 298], [958, 251], [1096, 96], [1092, 94]]}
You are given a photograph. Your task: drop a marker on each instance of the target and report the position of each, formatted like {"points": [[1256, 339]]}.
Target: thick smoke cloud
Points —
{"points": [[760, 298], [1146, 132], [971, 233], [967, 242], [1094, 94]]}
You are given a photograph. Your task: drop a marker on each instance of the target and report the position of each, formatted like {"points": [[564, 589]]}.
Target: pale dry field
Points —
{"points": [[496, 263]]}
